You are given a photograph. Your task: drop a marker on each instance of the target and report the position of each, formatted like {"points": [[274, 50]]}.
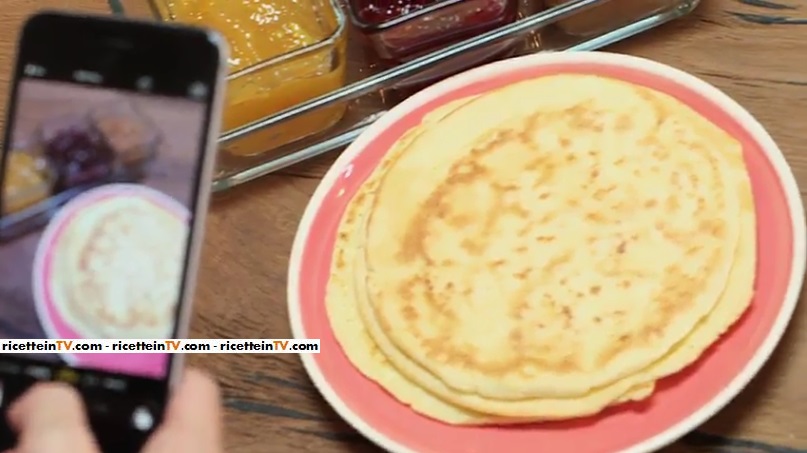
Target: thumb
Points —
{"points": [[192, 420], [51, 418]]}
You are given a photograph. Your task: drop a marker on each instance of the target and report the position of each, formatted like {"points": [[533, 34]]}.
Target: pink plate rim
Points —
{"points": [[501, 69]]}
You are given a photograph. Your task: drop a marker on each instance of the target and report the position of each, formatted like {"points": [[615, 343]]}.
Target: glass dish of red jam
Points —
{"points": [[401, 30], [77, 152]]}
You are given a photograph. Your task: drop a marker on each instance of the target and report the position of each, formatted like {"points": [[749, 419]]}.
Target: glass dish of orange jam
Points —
{"points": [[282, 53], [27, 180]]}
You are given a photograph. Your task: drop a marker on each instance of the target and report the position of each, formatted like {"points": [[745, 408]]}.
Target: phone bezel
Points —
{"points": [[65, 40]]}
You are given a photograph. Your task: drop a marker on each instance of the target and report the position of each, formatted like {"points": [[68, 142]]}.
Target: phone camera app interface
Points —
{"points": [[97, 202]]}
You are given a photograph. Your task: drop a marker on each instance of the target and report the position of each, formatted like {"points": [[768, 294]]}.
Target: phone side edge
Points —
{"points": [[201, 208]]}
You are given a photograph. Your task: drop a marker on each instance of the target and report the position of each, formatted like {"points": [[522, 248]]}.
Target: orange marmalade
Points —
{"points": [[264, 78], [26, 182]]}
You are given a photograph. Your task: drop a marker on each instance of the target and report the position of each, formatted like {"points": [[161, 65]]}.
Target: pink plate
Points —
{"points": [[55, 325], [681, 402]]}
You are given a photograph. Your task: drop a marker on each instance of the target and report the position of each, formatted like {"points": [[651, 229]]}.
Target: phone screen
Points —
{"points": [[101, 168]]}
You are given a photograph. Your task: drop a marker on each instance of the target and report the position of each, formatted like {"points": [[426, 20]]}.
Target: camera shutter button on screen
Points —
{"points": [[142, 419]]}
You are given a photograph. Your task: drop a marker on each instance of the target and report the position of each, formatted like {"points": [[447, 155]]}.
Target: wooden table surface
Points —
{"points": [[755, 50]]}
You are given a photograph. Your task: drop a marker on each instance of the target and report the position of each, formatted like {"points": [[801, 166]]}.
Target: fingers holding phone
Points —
{"points": [[193, 419], [51, 418], [105, 173]]}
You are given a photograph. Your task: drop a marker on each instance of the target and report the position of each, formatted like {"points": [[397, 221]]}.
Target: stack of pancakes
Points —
{"points": [[117, 269], [543, 251]]}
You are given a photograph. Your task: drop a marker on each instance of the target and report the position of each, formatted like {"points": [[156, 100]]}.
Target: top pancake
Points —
{"points": [[117, 269], [552, 246]]}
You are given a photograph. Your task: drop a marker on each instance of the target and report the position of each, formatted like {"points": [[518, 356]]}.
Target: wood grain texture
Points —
{"points": [[752, 49]]}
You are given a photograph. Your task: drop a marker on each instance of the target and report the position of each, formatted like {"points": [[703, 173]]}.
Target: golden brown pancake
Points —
{"points": [[117, 269], [352, 335], [558, 246], [418, 324]]}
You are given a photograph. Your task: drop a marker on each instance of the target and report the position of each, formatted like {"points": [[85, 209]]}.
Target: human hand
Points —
{"points": [[50, 418]]}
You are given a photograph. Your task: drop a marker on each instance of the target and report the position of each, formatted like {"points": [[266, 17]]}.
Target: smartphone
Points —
{"points": [[105, 173]]}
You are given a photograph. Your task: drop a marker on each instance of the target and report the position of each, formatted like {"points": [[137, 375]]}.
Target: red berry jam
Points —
{"points": [[445, 23], [380, 11], [79, 156]]}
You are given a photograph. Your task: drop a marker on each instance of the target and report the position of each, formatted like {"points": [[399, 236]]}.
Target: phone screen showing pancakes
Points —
{"points": [[98, 193]]}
